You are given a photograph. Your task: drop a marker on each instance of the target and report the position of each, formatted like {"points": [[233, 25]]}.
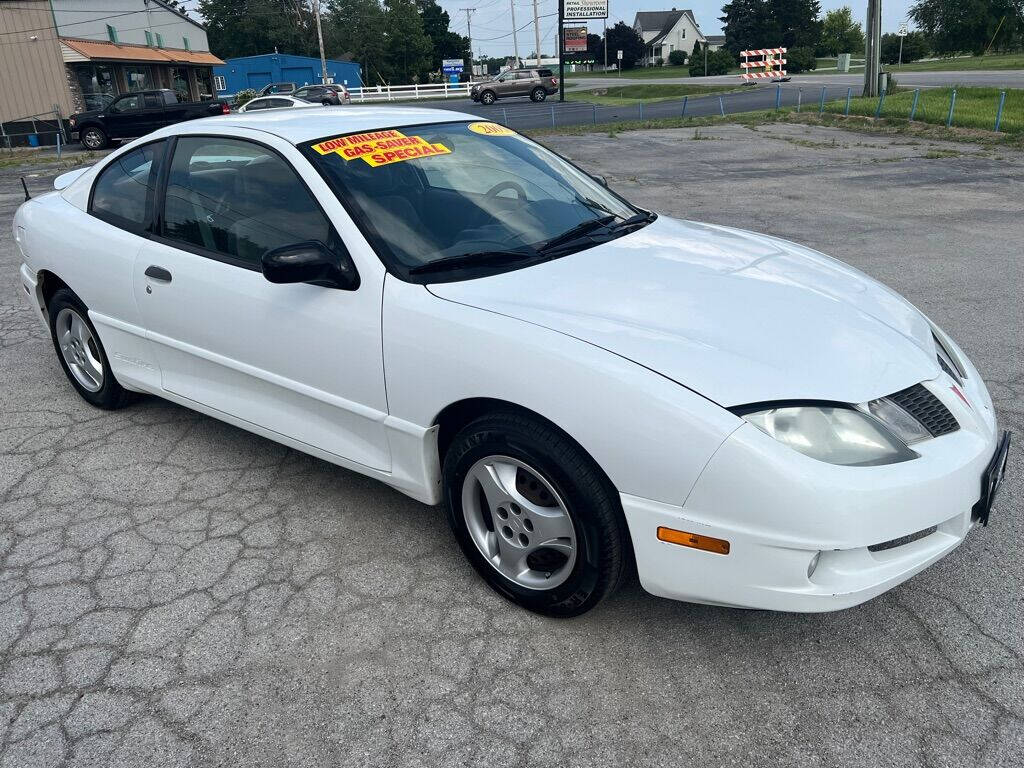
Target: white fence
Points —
{"points": [[403, 92]]}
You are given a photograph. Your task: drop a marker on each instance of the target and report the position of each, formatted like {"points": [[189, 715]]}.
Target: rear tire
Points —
{"points": [[534, 514], [81, 353], [94, 138], [538, 94], [488, 98]]}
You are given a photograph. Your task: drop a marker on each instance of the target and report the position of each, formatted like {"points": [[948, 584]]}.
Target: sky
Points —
{"points": [[492, 20]]}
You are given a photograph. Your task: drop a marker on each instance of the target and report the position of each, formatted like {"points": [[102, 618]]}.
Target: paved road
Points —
{"points": [[176, 592], [522, 114]]}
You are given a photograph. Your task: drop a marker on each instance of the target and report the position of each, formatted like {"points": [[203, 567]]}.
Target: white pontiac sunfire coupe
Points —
{"points": [[449, 307]]}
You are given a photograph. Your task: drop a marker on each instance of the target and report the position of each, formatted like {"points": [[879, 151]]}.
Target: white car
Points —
{"points": [[449, 307], [274, 102]]}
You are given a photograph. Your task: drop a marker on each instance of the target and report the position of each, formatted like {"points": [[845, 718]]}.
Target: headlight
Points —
{"points": [[834, 434]]}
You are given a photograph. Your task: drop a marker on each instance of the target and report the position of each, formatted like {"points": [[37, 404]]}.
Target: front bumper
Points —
{"points": [[803, 535]]}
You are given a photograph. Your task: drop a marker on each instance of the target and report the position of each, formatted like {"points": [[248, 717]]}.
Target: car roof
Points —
{"points": [[297, 126]]}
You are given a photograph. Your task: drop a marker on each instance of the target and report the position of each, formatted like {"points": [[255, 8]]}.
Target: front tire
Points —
{"points": [[534, 515], [539, 94], [487, 98], [94, 138], [81, 354]]}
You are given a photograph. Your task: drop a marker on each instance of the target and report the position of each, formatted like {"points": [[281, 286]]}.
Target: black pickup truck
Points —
{"points": [[136, 114]]}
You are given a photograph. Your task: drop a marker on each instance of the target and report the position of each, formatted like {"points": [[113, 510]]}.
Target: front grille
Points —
{"points": [[927, 409], [902, 540]]}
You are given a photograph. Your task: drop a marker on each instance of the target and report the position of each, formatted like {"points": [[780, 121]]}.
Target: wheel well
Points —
{"points": [[48, 285], [457, 415]]}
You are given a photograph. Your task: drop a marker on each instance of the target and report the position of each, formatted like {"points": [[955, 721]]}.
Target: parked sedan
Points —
{"points": [[586, 386], [273, 102]]}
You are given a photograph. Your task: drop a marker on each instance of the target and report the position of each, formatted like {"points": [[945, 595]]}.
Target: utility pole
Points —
{"points": [[872, 49], [536, 30], [604, 29], [561, 51], [469, 30], [515, 35], [320, 37]]}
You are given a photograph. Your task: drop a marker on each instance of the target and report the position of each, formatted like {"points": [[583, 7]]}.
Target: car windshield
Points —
{"points": [[451, 191]]}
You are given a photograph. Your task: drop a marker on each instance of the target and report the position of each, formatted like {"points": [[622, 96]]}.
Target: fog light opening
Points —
{"points": [[813, 565]]}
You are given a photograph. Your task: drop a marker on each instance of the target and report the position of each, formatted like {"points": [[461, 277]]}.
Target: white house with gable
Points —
{"points": [[667, 31]]}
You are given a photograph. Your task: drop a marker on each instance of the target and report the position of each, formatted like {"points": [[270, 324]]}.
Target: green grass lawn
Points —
{"points": [[994, 61], [619, 95], [975, 107]]}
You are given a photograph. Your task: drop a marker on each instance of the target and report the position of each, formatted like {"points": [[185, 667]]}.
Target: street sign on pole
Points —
{"points": [[618, 55], [902, 33], [904, 30]]}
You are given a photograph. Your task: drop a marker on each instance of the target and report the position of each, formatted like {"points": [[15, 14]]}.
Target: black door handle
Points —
{"points": [[158, 273]]}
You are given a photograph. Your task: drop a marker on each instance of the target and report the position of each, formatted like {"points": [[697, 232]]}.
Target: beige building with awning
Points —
{"points": [[72, 55]]}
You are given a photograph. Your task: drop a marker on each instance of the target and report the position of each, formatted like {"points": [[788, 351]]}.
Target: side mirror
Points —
{"points": [[310, 262], [600, 180]]}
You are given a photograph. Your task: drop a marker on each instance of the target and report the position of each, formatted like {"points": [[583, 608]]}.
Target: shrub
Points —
{"points": [[244, 96], [677, 58], [800, 60], [659, 62], [719, 63]]}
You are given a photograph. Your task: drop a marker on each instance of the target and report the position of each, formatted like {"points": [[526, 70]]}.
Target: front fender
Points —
{"points": [[651, 436]]}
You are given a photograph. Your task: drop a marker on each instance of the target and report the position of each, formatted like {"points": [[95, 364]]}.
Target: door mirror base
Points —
{"points": [[310, 262]]}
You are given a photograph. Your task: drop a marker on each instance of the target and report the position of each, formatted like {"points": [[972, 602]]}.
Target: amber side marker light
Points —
{"points": [[694, 540]]}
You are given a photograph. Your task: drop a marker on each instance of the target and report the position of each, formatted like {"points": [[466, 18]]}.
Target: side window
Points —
{"points": [[238, 199], [123, 192], [257, 104], [126, 104], [153, 100]]}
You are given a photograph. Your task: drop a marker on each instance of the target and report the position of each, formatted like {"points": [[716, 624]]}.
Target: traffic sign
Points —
{"points": [[904, 30], [619, 54]]}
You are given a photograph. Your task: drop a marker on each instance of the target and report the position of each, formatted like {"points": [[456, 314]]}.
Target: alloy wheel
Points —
{"points": [[519, 523], [79, 349]]}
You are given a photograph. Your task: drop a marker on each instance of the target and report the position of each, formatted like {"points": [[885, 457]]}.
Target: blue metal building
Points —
{"points": [[257, 71]]}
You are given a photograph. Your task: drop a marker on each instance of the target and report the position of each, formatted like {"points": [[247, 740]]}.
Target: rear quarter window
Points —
{"points": [[123, 192]]}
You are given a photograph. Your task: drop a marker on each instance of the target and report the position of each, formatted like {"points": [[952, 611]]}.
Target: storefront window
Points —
{"points": [[204, 80], [179, 79], [138, 78], [96, 81]]}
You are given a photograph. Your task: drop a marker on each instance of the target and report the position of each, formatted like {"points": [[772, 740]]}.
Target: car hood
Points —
{"points": [[736, 316]]}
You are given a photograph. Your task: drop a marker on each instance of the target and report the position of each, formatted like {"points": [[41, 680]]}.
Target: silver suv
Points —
{"points": [[538, 84]]}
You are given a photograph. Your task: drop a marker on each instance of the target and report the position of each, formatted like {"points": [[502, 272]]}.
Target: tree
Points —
{"points": [[747, 24], [797, 22], [623, 37], [258, 26], [719, 63], [915, 46], [770, 23], [445, 43], [956, 26], [407, 49], [352, 30], [840, 33]]}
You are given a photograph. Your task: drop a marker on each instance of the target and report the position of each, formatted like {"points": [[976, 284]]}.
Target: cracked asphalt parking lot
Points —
{"points": [[175, 591]]}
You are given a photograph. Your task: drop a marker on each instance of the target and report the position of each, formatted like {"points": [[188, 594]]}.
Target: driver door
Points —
{"points": [[300, 360]]}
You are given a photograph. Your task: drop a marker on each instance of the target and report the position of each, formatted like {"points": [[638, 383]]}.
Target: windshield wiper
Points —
{"points": [[580, 230], [477, 259], [644, 217]]}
